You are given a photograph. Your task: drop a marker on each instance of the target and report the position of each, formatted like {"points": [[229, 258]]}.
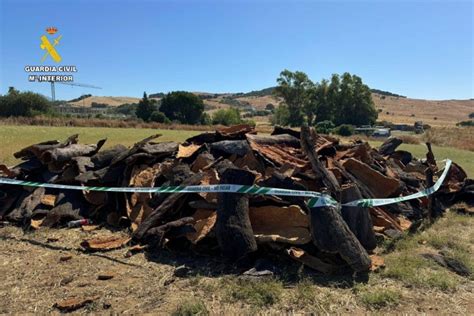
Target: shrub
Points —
{"points": [[227, 117], [324, 127], [465, 123], [270, 107], [206, 119], [159, 117], [471, 115], [191, 307], [344, 130]]}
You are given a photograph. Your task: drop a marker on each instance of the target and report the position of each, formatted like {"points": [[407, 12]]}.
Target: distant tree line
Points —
{"points": [[386, 93], [16, 103], [84, 96], [344, 99], [178, 106], [185, 108]]}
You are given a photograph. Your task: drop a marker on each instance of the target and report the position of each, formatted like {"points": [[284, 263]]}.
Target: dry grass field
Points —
{"points": [[111, 101], [43, 267], [435, 113]]}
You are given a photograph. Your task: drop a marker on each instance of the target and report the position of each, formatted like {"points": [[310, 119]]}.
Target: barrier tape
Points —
{"points": [[317, 199]]}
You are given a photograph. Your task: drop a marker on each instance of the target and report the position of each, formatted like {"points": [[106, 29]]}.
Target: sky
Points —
{"points": [[421, 49]]}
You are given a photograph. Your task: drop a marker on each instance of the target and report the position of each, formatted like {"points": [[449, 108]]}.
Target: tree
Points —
{"points": [[342, 100], [159, 117], [16, 103], [145, 108], [182, 106], [281, 116], [227, 117], [324, 110], [294, 88]]}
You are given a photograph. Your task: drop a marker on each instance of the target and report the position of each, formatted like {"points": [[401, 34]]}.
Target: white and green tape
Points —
{"points": [[317, 199]]}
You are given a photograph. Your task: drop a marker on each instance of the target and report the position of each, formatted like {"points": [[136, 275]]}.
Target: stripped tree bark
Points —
{"points": [[233, 228], [326, 176], [330, 233], [358, 218]]}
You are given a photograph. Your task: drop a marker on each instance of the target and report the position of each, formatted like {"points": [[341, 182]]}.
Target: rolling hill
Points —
{"points": [[391, 107]]}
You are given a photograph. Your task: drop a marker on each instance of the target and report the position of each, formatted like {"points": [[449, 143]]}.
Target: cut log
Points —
{"points": [[61, 155], [330, 233], [233, 228], [358, 218], [38, 149], [308, 139], [389, 146]]}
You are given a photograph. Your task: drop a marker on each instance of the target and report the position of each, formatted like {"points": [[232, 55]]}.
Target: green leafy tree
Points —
{"points": [[182, 106], [16, 103], [324, 109], [354, 102], [159, 117], [294, 88], [324, 127], [227, 117], [145, 108], [281, 116]]}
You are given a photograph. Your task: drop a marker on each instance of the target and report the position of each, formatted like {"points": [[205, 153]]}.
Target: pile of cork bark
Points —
{"points": [[234, 225]]}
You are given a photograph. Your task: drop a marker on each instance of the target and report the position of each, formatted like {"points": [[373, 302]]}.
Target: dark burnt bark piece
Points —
{"points": [[169, 207], [25, 206], [358, 218], [389, 146], [326, 176], [233, 228], [330, 233]]}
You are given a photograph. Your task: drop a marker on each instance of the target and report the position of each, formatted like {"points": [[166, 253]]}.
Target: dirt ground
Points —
{"points": [[37, 272]]}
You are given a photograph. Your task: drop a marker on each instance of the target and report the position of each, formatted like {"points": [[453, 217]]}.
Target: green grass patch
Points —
{"points": [[376, 298], [258, 293], [451, 234], [191, 307], [414, 270], [14, 138], [307, 296]]}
